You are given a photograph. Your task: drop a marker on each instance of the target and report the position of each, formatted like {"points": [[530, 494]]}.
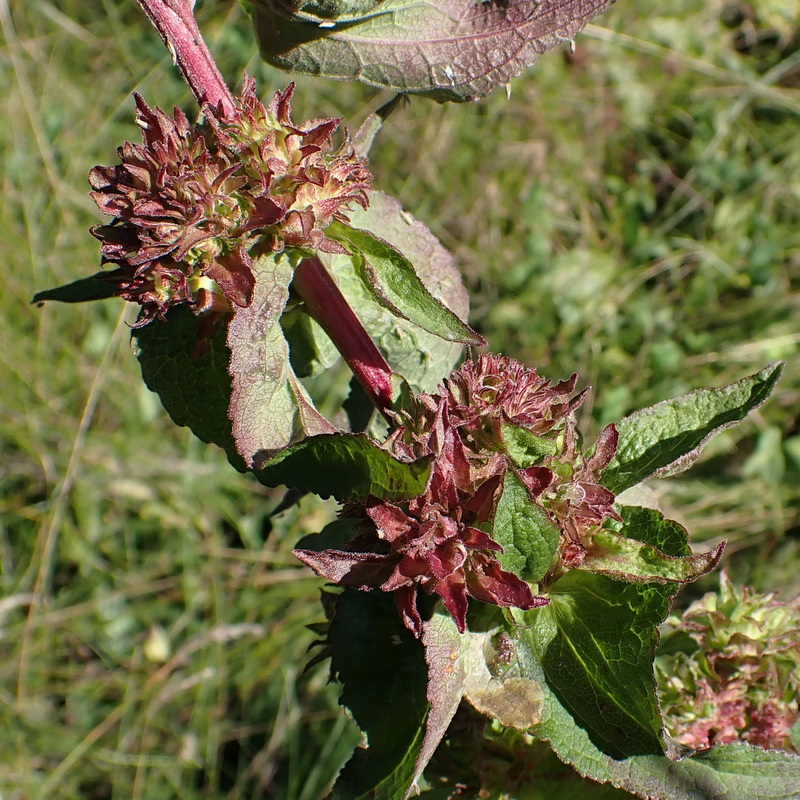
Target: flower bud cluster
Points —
{"points": [[440, 541], [191, 201], [737, 677]]}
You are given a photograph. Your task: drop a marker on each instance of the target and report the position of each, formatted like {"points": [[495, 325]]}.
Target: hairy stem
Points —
{"points": [[326, 304], [175, 22]]}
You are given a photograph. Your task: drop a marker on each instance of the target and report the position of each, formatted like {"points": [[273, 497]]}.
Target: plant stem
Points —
{"points": [[175, 22], [326, 304]]}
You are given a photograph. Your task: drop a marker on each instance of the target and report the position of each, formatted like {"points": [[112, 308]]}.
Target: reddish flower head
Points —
{"points": [[438, 542], [191, 200]]}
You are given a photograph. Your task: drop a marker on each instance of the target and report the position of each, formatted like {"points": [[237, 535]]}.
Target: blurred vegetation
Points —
{"points": [[631, 212]]}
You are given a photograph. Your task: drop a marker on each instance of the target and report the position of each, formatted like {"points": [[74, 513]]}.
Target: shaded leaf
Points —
{"points": [[99, 286], [345, 466], [595, 643], [381, 667], [445, 49], [667, 438], [194, 388], [391, 278], [269, 408], [528, 536]]}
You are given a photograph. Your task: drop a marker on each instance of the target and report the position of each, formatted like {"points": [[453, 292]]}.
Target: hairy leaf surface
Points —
{"points": [[446, 49], [528, 536], [645, 546], [269, 407], [668, 437]]}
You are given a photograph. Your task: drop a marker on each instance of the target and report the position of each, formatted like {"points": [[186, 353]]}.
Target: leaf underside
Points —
{"points": [[453, 50]]}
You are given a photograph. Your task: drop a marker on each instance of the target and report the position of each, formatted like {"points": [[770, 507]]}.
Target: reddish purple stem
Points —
{"points": [[174, 20], [175, 23], [326, 304]]}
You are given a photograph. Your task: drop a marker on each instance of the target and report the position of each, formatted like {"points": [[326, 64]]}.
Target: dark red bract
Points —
{"points": [[191, 200], [437, 541]]}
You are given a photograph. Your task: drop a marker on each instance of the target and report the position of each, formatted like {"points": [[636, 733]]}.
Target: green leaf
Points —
{"points": [[391, 278], [191, 380], [627, 554], [99, 286], [382, 670], [347, 467], [728, 772], [445, 49], [668, 437], [310, 350], [652, 527], [269, 407], [528, 536], [595, 643], [526, 448], [422, 358]]}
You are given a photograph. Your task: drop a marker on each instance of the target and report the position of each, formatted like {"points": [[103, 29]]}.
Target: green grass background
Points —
{"points": [[630, 213]]}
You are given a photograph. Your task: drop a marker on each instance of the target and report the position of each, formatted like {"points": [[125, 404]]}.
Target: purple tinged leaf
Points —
{"points": [[446, 655], [446, 49], [269, 408], [636, 562], [354, 570]]}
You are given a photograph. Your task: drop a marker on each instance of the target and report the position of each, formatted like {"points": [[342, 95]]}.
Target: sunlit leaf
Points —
{"points": [[667, 438], [445, 49]]}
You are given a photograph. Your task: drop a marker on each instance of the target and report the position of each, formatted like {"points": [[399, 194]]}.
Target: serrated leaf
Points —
{"points": [[99, 286], [269, 408], [382, 670], [727, 772], [194, 387], [528, 536], [651, 527], [595, 643], [445, 49], [391, 278], [347, 467], [628, 552], [668, 437], [446, 655]]}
